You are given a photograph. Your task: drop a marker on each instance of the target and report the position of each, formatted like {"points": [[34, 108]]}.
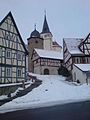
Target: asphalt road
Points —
{"points": [[71, 111]]}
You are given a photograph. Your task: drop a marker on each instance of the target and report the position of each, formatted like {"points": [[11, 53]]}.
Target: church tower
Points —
{"points": [[34, 41], [46, 35]]}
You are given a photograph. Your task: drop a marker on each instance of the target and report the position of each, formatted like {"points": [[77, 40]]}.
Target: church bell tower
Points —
{"points": [[46, 35]]}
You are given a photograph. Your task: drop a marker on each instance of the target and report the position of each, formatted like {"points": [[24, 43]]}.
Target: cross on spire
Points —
{"points": [[45, 12], [35, 26]]}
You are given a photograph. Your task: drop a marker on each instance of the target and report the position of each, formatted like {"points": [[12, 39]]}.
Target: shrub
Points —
{"points": [[63, 71]]}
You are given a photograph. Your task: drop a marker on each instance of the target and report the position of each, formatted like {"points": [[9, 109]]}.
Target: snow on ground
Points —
{"points": [[53, 90]]}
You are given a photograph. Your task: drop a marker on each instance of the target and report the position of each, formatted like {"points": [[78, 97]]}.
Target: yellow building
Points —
{"points": [[12, 52]]}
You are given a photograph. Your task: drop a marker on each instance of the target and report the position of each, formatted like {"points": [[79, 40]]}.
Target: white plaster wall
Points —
{"points": [[40, 70], [47, 41], [81, 76], [37, 70], [47, 44]]}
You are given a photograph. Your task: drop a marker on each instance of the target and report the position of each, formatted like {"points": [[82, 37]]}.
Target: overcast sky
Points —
{"points": [[66, 18]]}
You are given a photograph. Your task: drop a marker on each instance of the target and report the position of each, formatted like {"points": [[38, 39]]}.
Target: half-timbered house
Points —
{"points": [[12, 52], [76, 51], [46, 61]]}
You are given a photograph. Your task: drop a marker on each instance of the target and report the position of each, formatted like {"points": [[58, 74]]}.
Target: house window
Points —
{"points": [[8, 54], [77, 60], [19, 72], [0, 71], [87, 60], [80, 60], [19, 56], [8, 72], [0, 52], [37, 61]]}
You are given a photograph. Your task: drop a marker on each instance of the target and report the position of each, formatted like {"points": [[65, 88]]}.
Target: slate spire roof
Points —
{"points": [[45, 26]]}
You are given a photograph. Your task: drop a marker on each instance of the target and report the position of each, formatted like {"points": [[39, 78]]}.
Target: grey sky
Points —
{"points": [[66, 18]]}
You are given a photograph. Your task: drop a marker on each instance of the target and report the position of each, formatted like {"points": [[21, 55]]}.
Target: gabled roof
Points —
{"points": [[45, 26], [10, 14], [88, 36], [49, 54], [72, 45], [83, 67]]}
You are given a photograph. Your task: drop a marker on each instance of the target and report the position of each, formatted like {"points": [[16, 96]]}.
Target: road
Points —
{"points": [[71, 111]]}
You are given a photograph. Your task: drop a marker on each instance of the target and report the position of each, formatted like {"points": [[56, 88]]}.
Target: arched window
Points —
{"points": [[46, 72]]}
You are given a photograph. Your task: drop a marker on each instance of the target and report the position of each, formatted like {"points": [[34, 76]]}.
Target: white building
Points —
{"points": [[46, 61], [81, 72]]}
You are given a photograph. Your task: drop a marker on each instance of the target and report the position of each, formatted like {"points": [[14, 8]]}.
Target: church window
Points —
{"points": [[45, 35], [36, 41]]}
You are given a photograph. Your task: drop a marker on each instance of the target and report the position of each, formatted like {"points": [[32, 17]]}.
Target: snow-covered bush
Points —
{"points": [[63, 71]]}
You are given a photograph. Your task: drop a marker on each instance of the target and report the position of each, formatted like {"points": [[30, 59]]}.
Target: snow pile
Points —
{"points": [[53, 90], [18, 90], [3, 97]]}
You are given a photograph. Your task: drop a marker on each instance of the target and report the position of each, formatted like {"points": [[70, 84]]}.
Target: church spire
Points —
{"points": [[45, 25]]}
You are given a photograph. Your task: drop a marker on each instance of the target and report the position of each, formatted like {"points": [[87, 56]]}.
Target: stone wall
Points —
{"points": [[5, 90]]}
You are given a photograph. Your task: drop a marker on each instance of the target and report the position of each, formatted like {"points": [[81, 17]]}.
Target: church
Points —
{"points": [[42, 43]]}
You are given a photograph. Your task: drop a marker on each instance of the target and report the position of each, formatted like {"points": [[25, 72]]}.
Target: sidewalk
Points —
{"points": [[22, 92]]}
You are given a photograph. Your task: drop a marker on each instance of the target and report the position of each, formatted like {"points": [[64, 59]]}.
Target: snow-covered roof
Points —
{"points": [[55, 44], [49, 54], [83, 67], [72, 45]]}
